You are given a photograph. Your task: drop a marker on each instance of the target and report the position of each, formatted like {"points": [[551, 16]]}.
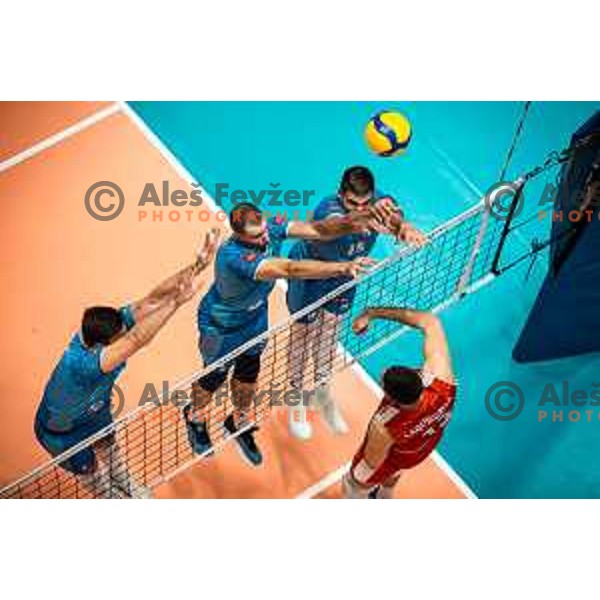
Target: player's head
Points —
{"points": [[402, 385], [249, 224], [357, 188], [101, 325]]}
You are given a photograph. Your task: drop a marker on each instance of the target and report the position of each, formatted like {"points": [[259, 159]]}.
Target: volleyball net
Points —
{"points": [[149, 445]]}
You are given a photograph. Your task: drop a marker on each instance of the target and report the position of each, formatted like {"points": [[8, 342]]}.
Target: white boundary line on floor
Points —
{"points": [[59, 137], [327, 481], [168, 155]]}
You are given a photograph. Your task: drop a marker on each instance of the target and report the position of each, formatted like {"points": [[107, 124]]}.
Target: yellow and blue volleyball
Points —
{"points": [[388, 133]]}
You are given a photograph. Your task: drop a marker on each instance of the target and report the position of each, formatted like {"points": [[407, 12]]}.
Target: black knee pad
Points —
{"points": [[213, 381], [247, 368]]}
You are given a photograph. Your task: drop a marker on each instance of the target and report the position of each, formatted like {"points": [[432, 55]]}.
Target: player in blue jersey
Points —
{"points": [[317, 332], [235, 310], [77, 398]]}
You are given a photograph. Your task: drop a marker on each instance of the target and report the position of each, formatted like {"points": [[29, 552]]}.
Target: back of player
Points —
{"points": [[411, 419], [415, 433]]}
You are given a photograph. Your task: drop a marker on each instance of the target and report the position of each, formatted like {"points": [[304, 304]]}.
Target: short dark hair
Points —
{"points": [[402, 384], [100, 324], [242, 214], [358, 180]]}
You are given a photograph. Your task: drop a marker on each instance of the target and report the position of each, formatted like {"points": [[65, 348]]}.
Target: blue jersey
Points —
{"points": [[236, 296], [343, 249], [78, 393]]}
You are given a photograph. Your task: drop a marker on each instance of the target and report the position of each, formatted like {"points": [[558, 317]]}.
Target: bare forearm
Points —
{"points": [[164, 293], [136, 338], [276, 268], [335, 227], [407, 316], [144, 331], [315, 269], [170, 286]]}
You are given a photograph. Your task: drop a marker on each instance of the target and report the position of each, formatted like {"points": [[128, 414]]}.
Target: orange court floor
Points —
{"points": [[57, 259]]}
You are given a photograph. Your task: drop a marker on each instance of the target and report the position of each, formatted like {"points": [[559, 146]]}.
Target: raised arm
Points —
{"points": [[136, 338], [333, 227], [144, 330], [435, 347], [390, 219], [169, 288], [275, 268]]}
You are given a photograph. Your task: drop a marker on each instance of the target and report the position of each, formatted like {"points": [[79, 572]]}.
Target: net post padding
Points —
{"points": [[153, 439]]}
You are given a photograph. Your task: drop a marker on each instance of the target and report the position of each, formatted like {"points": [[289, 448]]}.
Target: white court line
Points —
{"points": [[168, 156], [321, 486], [57, 138], [457, 170]]}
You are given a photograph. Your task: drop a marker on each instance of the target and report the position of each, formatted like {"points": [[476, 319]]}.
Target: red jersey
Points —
{"points": [[416, 432]]}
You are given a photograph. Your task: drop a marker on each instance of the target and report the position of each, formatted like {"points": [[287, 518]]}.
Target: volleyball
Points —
{"points": [[388, 133]]}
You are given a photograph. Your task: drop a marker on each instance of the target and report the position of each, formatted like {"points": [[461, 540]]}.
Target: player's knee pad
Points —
{"points": [[213, 380], [247, 368], [81, 463]]}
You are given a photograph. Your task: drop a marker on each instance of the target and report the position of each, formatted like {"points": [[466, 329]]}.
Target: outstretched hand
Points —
{"points": [[412, 236], [189, 282], [361, 323], [359, 266], [386, 217], [387, 213], [207, 251]]}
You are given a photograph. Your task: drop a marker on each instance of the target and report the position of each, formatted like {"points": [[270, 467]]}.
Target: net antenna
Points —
{"points": [[485, 217], [535, 246]]}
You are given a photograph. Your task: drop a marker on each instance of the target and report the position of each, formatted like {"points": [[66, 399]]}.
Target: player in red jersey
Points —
{"points": [[416, 407]]}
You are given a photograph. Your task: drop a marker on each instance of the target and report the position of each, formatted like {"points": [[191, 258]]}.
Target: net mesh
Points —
{"points": [[150, 445]]}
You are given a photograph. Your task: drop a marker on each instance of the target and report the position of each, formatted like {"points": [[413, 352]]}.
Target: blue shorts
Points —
{"points": [[303, 292], [82, 462], [217, 341]]}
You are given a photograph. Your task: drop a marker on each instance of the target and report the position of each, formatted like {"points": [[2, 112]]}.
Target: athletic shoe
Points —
{"points": [[198, 435], [373, 494], [299, 424], [245, 442], [331, 413]]}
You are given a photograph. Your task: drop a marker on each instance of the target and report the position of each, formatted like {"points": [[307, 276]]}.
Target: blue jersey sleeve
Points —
{"points": [[278, 227], [86, 362], [126, 313], [329, 207], [242, 263]]}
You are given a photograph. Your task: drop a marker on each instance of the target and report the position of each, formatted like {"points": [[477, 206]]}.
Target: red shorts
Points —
{"points": [[391, 467]]}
